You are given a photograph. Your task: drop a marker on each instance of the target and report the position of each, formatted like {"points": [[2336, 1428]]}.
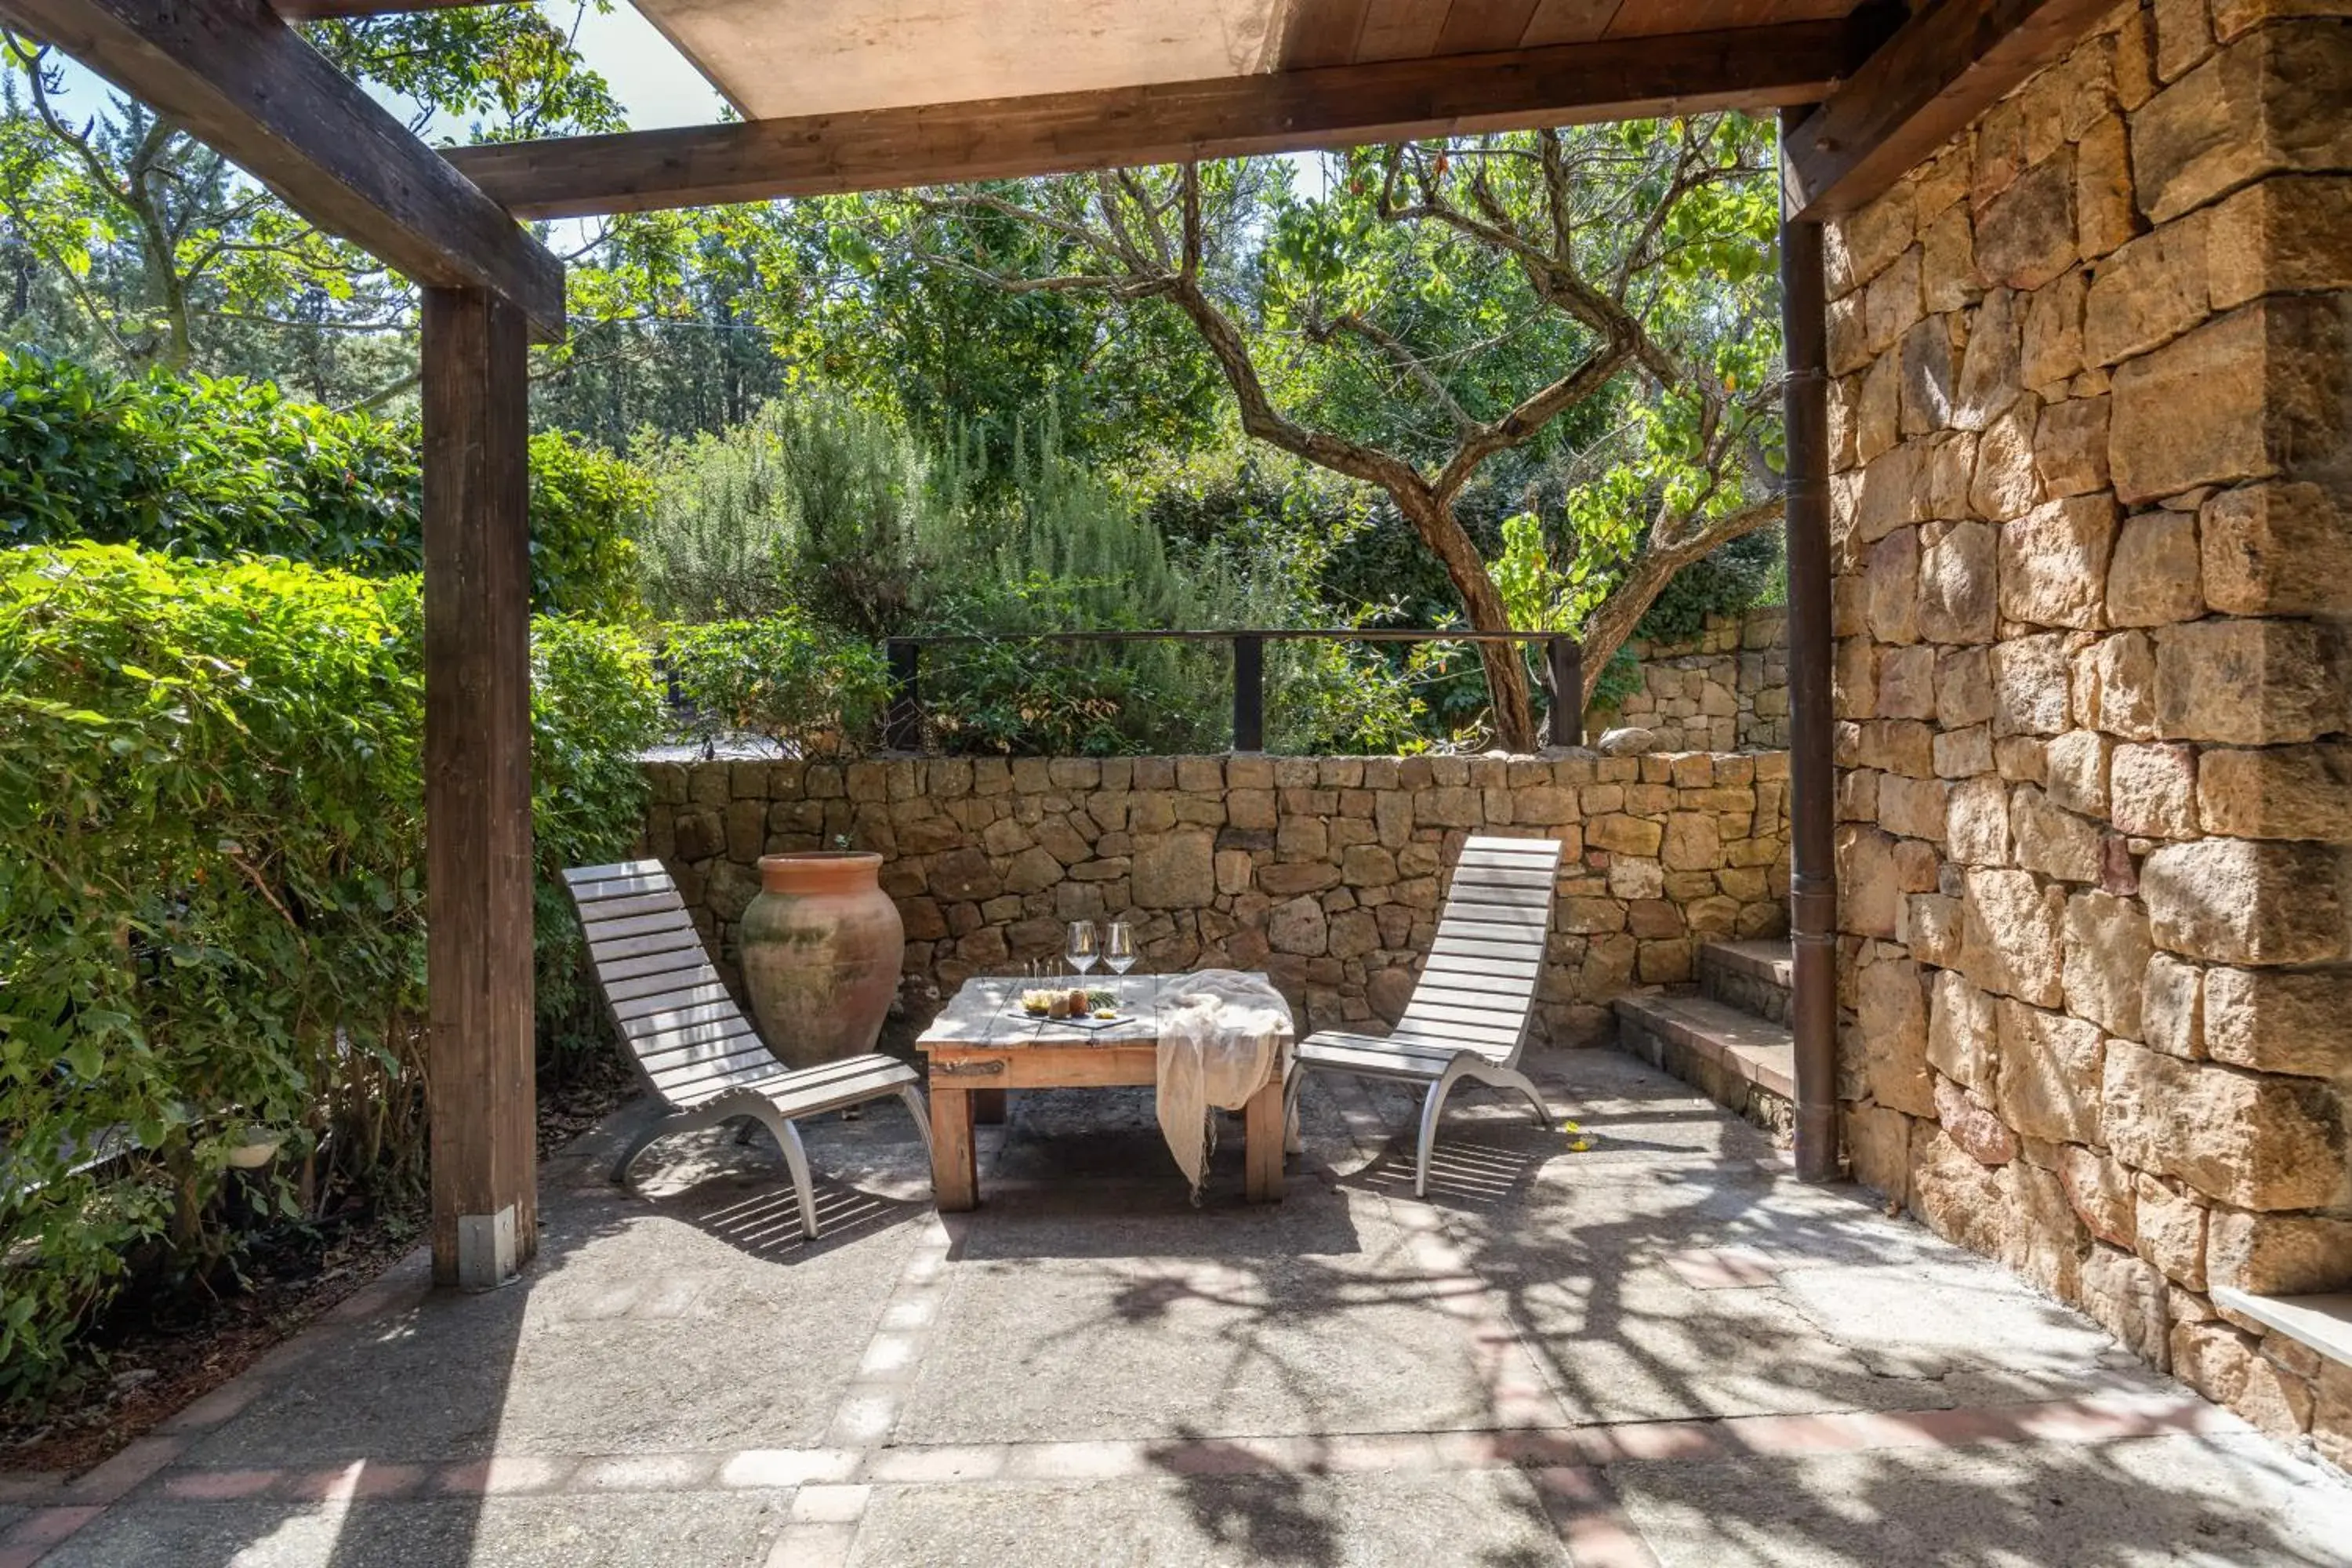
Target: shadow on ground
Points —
{"points": [[1662, 1334]]}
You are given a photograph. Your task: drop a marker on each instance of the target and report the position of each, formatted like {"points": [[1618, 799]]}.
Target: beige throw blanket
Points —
{"points": [[1219, 1039]]}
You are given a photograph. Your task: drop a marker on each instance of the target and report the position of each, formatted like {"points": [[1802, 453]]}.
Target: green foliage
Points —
{"points": [[1745, 573], [211, 912], [814, 502], [583, 501], [595, 709], [207, 470], [801, 685]]}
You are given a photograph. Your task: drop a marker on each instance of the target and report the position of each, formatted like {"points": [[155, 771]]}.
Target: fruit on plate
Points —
{"points": [[1106, 1012], [1039, 1003]]}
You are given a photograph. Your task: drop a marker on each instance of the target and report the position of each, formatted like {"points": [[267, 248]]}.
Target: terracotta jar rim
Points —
{"points": [[811, 870]]}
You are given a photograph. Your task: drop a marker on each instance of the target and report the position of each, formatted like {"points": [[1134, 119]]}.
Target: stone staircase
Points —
{"points": [[1729, 1037]]}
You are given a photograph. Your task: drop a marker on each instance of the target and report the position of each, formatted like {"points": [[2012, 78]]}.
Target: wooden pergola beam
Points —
{"points": [[1945, 66], [235, 75], [1282, 111]]}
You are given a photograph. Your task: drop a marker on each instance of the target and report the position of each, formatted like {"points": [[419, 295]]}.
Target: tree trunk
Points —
{"points": [[1506, 671]]}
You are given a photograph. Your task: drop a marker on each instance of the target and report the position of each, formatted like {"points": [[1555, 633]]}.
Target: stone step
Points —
{"points": [[1754, 976], [1743, 1063]]}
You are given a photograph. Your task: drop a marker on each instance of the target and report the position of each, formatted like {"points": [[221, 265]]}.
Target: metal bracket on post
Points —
{"points": [[1249, 692], [1567, 658], [902, 724], [486, 1250]]}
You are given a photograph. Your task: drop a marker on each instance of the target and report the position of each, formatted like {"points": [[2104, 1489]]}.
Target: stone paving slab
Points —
{"points": [[640, 1331], [1213, 1521], [638, 1531], [2176, 1501], [1309, 1316]]}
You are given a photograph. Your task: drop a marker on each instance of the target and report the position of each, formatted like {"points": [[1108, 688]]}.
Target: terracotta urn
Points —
{"points": [[822, 948]]}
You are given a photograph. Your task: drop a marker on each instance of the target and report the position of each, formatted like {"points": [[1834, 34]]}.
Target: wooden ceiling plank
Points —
{"points": [[1476, 26], [1226, 116], [1400, 30], [1319, 33], [238, 78], [1941, 68], [1568, 22]]}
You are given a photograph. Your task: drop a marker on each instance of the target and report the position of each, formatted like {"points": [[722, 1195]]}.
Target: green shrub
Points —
{"points": [[211, 909], [209, 470], [801, 686], [813, 503]]}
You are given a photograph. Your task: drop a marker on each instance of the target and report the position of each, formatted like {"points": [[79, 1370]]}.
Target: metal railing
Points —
{"points": [[902, 727]]}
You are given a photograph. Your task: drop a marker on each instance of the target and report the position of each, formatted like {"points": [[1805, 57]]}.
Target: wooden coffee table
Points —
{"points": [[980, 1045]]}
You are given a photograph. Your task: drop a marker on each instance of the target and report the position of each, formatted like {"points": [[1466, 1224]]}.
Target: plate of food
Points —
{"points": [[1074, 1006]]}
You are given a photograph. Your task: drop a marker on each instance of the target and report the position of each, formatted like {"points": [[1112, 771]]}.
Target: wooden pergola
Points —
{"points": [[845, 95]]}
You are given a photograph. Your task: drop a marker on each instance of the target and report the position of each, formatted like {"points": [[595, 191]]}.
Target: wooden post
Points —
{"points": [[478, 786]]}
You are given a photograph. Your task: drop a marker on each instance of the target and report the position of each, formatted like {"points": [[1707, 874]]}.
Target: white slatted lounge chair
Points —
{"points": [[1469, 1014], [692, 1045]]}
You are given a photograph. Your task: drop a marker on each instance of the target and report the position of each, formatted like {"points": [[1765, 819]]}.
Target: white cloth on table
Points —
{"points": [[1221, 1035]]}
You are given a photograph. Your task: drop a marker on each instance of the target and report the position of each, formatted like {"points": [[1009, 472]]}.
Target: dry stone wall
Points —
{"points": [[1725, 691], [2094, 511], [1326, 872]]}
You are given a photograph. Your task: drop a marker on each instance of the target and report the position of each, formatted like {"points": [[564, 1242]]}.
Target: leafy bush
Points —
{"points": [[804, 687], [211, 912], [210, 469], [814, 502]]}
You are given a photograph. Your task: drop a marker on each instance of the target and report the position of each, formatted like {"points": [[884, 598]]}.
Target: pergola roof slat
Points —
{"points": [[1339, 106], [238, 78]]}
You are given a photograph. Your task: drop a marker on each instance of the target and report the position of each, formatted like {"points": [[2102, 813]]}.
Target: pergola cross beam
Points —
{"points": [[1165, 122]]}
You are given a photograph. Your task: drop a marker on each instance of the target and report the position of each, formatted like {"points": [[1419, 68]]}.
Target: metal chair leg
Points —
{"points": [[661, 1128], [913, 1097], [796, 1158], [1433, 1106], [1511, 1077]]}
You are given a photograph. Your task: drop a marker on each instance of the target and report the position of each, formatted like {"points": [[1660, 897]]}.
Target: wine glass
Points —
{"points": [[1119, 951], [1084, 947]]}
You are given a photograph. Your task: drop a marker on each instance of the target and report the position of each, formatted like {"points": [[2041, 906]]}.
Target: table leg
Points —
{"points": [[988, 1107], [1262, 1140], [955, 1165]]}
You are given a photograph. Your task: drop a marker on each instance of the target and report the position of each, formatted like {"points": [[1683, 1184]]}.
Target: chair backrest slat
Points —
{"points": [[686, 1035], [1477, 989]]}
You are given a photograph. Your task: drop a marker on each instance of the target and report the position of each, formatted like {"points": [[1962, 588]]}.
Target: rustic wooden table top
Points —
{"points": [[983, 1043]]}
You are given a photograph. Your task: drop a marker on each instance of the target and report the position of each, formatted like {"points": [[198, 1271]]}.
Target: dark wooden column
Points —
{"points": [[477, 785], [1812, 777]]}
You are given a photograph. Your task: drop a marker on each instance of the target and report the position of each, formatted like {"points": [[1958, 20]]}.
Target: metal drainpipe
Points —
{"points": [[1812, 813]]}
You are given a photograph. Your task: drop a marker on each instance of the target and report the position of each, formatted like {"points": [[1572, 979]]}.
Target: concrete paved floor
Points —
{"points": [[1659, 1351]]}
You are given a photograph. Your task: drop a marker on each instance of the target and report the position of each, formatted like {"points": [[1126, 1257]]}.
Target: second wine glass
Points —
{"points": [[1118, 949]]}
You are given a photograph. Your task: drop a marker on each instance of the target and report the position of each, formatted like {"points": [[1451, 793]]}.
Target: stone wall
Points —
{"points": [[1327, 872], [2093, 466], [1725, 691]]}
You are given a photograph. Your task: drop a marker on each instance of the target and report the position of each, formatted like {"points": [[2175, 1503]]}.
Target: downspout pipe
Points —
{"points": [[1812, 779]]}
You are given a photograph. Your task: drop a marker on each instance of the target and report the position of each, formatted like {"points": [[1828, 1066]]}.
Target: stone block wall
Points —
{"points": [[2092, 438], [1725, 691], [1326, 872]]}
